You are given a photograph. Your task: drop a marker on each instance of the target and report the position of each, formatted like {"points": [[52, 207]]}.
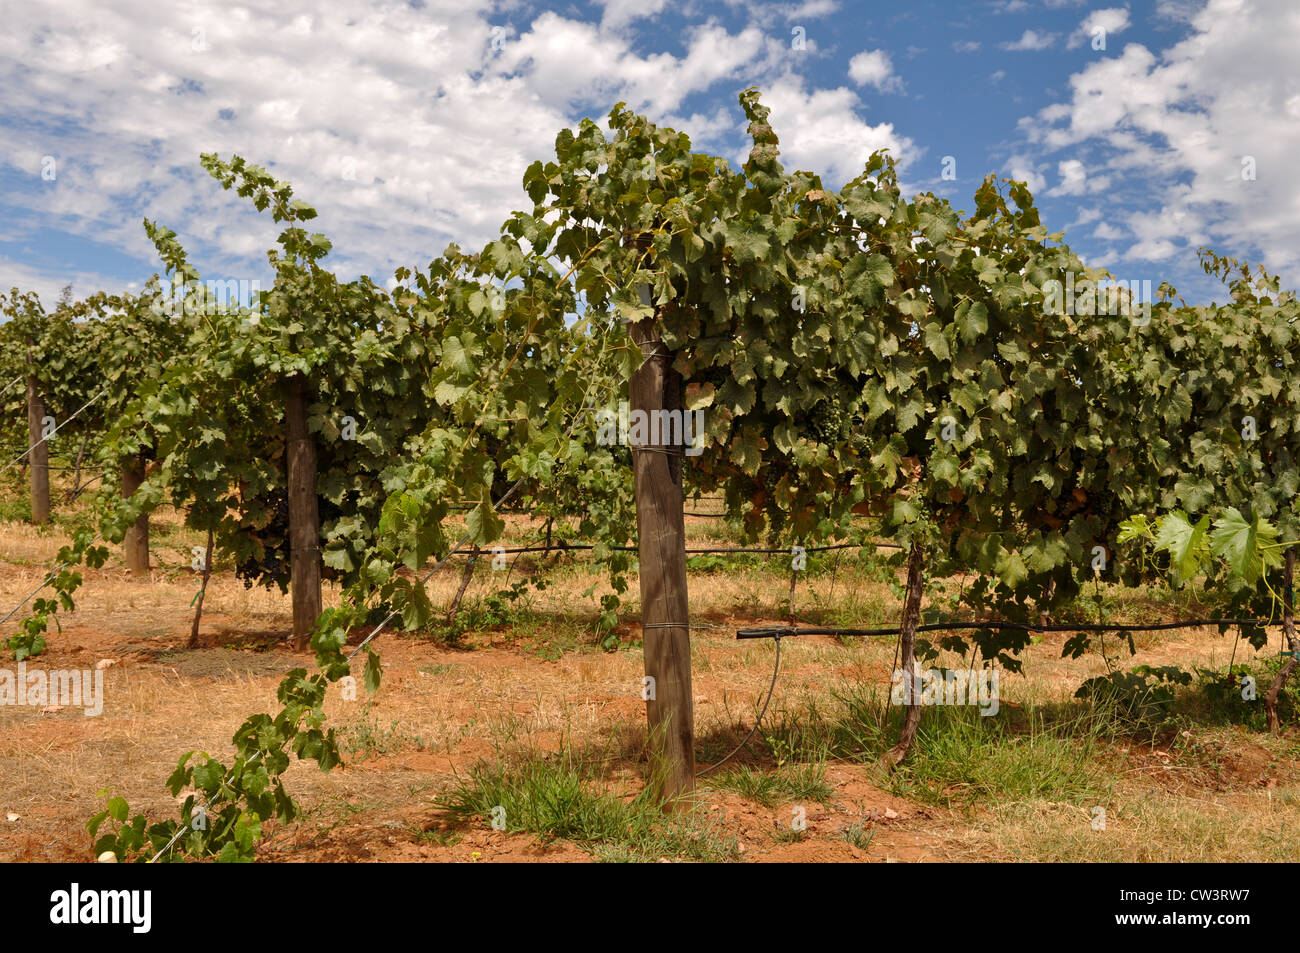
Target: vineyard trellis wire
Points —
{"points": [[938, 301]]}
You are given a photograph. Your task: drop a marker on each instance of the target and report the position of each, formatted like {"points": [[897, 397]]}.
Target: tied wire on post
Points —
{"points": [[16, 460]]}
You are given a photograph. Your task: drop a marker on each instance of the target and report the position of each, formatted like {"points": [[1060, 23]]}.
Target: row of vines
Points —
{"points": [[852, 352]]}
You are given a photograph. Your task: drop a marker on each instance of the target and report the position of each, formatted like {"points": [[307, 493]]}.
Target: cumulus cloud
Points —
{"points": [[1203, 134], [1030, 40], [811, 10], [820, 131], [1100, 24], [622, 12], [1075, 179], [1021, 168], [407, 127], [874, 68]]}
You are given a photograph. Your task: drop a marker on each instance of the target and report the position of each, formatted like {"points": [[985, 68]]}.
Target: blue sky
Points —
{"points": [[1145, 129]]}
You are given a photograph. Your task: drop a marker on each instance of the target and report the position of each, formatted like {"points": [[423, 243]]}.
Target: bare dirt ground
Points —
{"points": [[540, 682]]}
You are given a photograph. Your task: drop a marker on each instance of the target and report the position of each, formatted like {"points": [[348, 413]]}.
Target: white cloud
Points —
{"points": [[821, 131], [1022, 169], [1075, 179], [622, 12], [407, 128], [811, 10], [47, 285], [1173, 129], [1178, 11], [1107, 232], [874, 68], [966, 46], [1100, 24], [1031, 40]]}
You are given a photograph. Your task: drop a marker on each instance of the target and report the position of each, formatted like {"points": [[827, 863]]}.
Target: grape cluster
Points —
{"points": [[273, 566]]}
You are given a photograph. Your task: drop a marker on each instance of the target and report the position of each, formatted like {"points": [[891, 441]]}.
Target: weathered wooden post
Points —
{"points": [[39, 455], [304, 515], [654, 393], [135, 545]]}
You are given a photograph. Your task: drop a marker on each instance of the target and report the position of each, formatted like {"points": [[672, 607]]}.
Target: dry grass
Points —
{"points": [[541, 684]]}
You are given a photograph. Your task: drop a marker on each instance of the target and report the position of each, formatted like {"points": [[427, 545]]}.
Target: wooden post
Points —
{"points": [[304, 515], [911, 618], [661, 526], [39, 456], [1289, 637], [135, 545]]}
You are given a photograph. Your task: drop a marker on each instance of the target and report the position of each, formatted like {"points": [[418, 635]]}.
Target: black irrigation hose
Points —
{"points": [[757, 722], [561, 547], [779, 632]]}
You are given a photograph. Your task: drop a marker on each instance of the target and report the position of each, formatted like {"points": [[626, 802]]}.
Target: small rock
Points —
{"points": [[105, 663], [51, 709], [890, 814], [11, 816], [460, 681], [107, 857]]}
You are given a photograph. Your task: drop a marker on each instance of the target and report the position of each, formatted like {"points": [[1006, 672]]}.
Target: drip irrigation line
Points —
{"points": [[561, 547], [84, 487], [771, 689], [777, 632], [16, 380]]}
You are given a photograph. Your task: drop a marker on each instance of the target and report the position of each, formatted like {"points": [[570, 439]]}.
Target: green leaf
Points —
{"points": [[374, 671], [1186, 544], [1135, 527], [936, 342], [118, 809], [972, 320], [1237, 543], [1010, 569], [483, 524]]}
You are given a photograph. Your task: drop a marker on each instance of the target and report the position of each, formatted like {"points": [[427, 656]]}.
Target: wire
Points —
{"points": [[48, 579], [757, 722], [769, 632], [11, 384], [562, 546], [14, 462], [442, 562]]}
